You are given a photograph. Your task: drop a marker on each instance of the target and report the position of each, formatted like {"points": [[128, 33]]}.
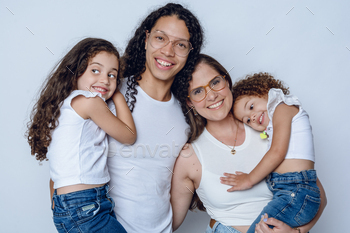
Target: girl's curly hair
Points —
{"points": [[257, 84], [133, 62], [57, 87]]}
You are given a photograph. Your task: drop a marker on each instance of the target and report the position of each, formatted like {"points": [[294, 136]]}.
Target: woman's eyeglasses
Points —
{"points": [[216, 84]]}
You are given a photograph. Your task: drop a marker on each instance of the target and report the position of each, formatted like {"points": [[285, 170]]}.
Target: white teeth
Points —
{"points": [[163, 63], [261, 118], [216, 105], [99, 89]]}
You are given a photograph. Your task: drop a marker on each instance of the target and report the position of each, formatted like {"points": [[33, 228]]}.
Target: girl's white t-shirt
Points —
{"points": [[301, 142], [78, 150], [141, 173]]}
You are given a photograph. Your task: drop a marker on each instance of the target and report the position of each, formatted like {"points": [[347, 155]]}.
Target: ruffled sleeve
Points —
{"points": [[277, 97], [75, 93], [87, 94]]}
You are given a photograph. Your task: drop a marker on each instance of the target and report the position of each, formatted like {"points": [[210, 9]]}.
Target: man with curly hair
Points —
{"points": [[158, 58]]}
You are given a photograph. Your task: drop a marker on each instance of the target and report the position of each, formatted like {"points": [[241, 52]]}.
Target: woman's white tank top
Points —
{"points": [[238, 208]]}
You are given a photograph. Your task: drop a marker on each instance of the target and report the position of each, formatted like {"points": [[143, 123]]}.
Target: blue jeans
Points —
{"points": [[89, 210], [219, 228], [296, 198]]}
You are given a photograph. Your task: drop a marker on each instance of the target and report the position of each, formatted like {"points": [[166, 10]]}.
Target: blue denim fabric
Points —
{"points": [[88, 210], [296, 198], [219, 228]]}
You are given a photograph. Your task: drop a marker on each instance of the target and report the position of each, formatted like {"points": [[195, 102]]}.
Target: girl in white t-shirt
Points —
{"points": [[264, 104], [69, 125]]}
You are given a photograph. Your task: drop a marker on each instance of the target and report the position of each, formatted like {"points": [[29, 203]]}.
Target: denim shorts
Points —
{"points": [[89, 210], [219, 228], [296, 198]]}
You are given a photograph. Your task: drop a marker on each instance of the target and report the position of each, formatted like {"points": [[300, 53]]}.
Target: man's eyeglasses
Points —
{"points": [[159, 39]]}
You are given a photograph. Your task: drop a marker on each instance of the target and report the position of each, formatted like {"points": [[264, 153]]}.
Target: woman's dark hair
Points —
{"points": [[57, 87], [197, 122], [133, 62]]}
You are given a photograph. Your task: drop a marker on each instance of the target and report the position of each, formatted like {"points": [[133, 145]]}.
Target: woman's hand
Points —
{"points": [[279, 227]]}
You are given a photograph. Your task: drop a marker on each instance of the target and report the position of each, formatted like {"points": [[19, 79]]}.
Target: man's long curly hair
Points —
{"points": [[197, 123], [257, 84], [57, 87], [133, 62]]}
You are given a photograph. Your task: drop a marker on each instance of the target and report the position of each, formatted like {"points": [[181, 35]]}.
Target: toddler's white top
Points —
{"points": [[301, 145], [238, 208], [78, 151]]}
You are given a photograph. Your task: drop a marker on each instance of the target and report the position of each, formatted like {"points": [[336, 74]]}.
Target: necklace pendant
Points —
{"points": [[233, 151]]}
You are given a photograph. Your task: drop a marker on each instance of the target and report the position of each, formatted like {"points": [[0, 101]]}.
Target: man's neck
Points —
{"points": [[155, 88]]}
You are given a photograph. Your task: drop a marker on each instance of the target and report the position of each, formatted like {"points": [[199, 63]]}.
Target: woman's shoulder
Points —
{"points": [[187, 152], [187, 155], [188, 163]]}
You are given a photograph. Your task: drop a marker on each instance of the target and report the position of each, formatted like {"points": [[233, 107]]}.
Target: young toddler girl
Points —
{"points": [[264, 104], [69, 125]]}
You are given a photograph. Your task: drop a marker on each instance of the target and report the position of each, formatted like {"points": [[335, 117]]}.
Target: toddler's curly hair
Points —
{"points": [[257, 84]]}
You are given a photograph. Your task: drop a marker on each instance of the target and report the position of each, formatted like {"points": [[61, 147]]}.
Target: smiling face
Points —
{"points": [[252, 110], [163, 64], [217, 104], [100, 75]]}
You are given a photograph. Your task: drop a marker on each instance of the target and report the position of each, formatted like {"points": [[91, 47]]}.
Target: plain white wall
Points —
{"points": [[304, 43]]}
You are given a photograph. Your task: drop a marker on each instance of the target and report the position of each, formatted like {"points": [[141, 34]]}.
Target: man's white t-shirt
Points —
{"points": [[141, 173]]}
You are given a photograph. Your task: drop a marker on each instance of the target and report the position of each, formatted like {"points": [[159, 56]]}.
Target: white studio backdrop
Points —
{"points": [[304, 43]]}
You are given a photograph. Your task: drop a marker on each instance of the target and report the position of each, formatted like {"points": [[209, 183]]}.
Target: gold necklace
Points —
{"points": [[233, 151]]}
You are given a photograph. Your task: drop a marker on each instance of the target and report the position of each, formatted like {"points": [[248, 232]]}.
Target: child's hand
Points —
{"points": [[239, 181]]}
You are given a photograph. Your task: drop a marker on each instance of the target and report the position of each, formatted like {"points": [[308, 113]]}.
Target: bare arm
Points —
{"points": [[282, 121], [281, 227], [182, 188], [96, 109], [123, 111]]}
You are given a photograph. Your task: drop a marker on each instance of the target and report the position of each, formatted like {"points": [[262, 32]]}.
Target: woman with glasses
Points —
{"points": [[218, 144]]}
